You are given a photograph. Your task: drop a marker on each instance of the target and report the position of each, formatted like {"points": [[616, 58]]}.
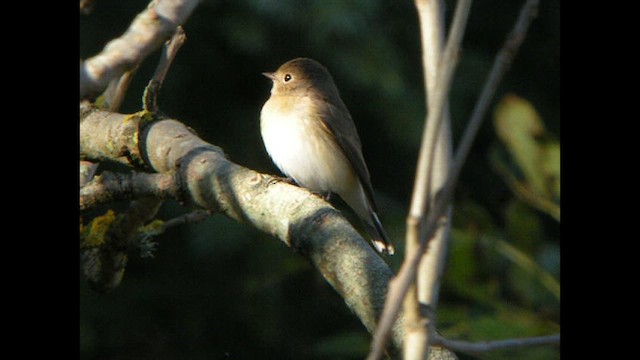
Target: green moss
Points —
{"points": [[95, 233], [143, 116], [153, 228]]}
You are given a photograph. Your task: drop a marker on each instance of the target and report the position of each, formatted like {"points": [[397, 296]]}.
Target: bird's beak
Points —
{"points": [[271, 76]]}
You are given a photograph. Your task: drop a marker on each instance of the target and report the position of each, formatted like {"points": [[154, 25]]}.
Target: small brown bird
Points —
{"points": [[309, 134]]}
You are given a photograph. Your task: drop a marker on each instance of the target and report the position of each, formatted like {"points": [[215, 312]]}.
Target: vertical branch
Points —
{"points": [[407, 272], [435, 153], [431, 267], [433, 165]]}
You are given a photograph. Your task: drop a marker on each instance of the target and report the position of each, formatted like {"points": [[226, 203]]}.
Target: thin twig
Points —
{"points": [[147, 32], [169, 52], [500, 66], [145, 240], [113, 95], [475, 348], [406, 275], [192, 217]]}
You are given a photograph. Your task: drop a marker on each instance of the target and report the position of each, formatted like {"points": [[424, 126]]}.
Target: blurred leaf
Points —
{"points": [[467, 276], [533, 168], [532, 274], [504, 322], [471, 269], [551, 166], [471, 215], [509, 323], [462, 267], [549, 258], [526, 263], [522, 226], [518, 125]]}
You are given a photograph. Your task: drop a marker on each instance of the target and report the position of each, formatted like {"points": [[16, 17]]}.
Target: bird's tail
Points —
{"points": [[378, 236]]}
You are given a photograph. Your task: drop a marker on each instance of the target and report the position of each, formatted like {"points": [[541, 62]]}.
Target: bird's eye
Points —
{"points": [[287, 77]]}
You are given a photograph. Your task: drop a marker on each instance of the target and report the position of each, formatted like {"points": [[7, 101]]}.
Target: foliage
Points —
{"points": [[221, 290]]}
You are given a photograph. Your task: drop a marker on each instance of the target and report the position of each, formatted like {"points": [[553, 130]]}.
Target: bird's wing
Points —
{"points": [[347, 138]]}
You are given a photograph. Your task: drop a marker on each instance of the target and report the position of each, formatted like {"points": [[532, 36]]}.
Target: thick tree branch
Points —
{"points": [[87, 170], [147, 32], [208, 180]]}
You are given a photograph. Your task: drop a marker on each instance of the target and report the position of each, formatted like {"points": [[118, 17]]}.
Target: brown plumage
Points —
{"points": [[310, 135]]}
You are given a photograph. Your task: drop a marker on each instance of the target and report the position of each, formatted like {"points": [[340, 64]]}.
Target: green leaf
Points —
{"points": [[531, 166], [518, 125]]}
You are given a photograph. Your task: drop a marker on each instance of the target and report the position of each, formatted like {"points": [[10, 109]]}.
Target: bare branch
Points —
{"points": [[429, 178], [475, 348], [147, 33], [407, 272], [170, 50], [500, 66], [109, 187], [113, 95], [208, 180], [87, 170], [117, 142], [431, 267], [149, 232], [193, 217]]}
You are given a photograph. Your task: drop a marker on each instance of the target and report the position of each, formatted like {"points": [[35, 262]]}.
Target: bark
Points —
{"points": [[208, 180]]}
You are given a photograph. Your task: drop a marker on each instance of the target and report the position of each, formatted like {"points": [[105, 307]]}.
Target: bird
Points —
{"points": [[309, 134]]}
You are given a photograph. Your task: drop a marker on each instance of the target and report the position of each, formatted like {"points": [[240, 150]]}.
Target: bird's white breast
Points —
{"points": [[302, 149]]}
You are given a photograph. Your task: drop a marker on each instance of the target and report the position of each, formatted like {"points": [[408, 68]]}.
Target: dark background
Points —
{"points": [[222, 290]]}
